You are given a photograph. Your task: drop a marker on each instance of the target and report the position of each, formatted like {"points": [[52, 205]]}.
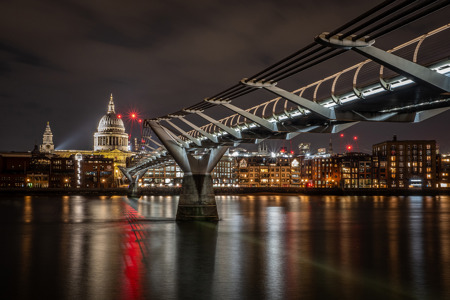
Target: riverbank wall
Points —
{"points": [[164, 191]]}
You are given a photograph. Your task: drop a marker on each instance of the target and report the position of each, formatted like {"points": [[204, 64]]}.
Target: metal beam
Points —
{"points": [[409, 69], [260, 121], [149, 147], [153, 141], [178, 153], [184, 133], [174, 137], [314, 107], [204, 133], [423, 115], [225, 128]]}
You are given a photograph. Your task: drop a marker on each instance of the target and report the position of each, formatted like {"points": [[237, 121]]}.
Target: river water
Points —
{"points": [[265, 247]]}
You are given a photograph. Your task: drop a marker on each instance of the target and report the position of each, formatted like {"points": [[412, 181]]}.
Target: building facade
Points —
{"points": [[393, 164], [408, 163]]}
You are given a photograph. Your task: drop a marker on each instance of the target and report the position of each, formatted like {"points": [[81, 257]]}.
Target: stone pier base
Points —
{"points": [[197, 199], [133, 190]]}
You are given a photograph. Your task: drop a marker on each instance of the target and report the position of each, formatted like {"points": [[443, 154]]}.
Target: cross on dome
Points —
{"points": [[111, 105]]}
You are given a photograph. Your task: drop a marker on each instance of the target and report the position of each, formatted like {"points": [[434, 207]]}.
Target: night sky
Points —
{"points": [[60, 60]]}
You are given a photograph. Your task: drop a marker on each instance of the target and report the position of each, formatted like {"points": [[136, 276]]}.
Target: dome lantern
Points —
{"points": [[111, 105]]}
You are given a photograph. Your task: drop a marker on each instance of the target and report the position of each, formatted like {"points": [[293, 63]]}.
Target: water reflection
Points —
{"points": [[269, 247]]}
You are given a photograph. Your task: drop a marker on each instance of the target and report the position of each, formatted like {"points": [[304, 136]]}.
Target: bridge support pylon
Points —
{"points": [[197, 200], [133, 190]]}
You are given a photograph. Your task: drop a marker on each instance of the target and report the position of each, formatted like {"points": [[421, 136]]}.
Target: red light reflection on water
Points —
{"points": [[132, 257]]}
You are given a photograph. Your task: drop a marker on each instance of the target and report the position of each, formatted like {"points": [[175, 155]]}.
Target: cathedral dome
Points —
{"points": [[110, 133], [111, 123]]}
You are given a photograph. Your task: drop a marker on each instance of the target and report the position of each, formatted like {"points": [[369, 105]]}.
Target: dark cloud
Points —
{"points": [[59, 60]]}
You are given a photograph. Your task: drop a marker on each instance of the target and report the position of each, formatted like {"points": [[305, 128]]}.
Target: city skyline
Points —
{"points": [[61, 63]]}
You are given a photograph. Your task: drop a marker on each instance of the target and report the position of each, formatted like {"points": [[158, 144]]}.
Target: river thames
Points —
{"points": [[264, 247]]}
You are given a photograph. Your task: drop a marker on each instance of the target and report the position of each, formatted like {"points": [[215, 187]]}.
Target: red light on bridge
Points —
{"points": [[341, 135], [355, 138], [140, 120], [133, 115], [349, 147]]}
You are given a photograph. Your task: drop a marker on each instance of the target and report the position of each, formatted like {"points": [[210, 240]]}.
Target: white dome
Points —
{"points": [[110, 123], [110, 133]]}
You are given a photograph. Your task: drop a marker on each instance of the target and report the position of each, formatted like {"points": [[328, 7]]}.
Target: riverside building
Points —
{"points": [[408, 163]]}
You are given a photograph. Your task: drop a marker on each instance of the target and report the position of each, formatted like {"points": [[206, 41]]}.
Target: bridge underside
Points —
{"points": [[404, 104]]}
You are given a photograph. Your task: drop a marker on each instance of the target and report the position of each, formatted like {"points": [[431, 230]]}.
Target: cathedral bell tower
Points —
{"points": [[47, 141]]}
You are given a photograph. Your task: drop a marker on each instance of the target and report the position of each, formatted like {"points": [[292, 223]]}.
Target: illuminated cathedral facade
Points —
{"points": [[110, 142], [110, 133]]}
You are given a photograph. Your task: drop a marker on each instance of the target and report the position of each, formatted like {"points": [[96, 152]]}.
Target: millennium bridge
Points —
{"points": [[408, 83]]}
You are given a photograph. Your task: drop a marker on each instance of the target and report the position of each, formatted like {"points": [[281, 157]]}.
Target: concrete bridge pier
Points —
{"points": [[197, 201], [133, 190]]}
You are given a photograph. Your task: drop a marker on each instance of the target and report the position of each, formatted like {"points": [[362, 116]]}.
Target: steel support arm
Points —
{"points": [[409, 69], [206, 163], [225, 128], [184, 133], [260, 121], [153, 141], [313, 107], [204, 133], [406, 68], [126, 173], [177, 152], [174, 137]]}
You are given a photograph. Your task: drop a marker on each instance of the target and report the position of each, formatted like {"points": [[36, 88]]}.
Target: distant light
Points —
{"points": [[140, 120], [355, 138], [119, 116], [133, 115], [341, 135], [292, 152], [349, 147]]}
